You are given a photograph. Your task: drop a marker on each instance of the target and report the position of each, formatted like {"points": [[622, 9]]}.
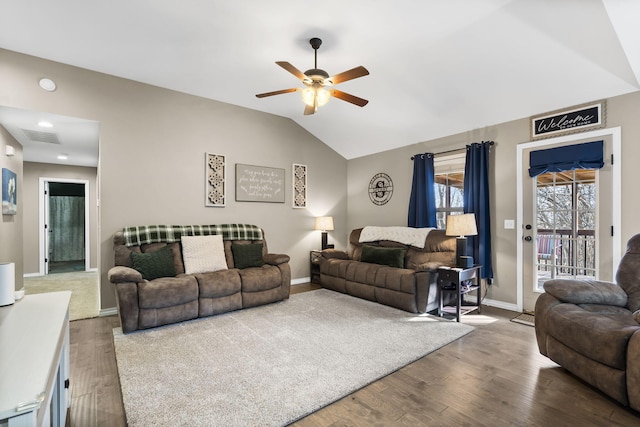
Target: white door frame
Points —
{"points": [[43, 216], [616, 195]]}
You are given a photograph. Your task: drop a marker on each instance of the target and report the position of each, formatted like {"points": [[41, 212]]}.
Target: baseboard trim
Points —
{"points": [[111, 311], [501, 304], [300, 281], [32, 275]]}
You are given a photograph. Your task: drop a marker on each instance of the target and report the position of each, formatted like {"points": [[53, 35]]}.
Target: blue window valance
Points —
{"points": [[578, 156]]}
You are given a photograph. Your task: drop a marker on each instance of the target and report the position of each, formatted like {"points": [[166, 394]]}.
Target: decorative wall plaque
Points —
{"points": [[215, 180], [299, 186], [380, 189], [576, 119], [259, 184]]}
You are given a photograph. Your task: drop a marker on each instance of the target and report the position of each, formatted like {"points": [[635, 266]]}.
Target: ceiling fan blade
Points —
{"points": [[349, 98], [293, 70], [277, 92], [351, 74], [309, 109]]}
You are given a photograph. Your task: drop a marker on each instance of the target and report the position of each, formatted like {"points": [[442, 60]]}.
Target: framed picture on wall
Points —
{"points": [[9, 192]]}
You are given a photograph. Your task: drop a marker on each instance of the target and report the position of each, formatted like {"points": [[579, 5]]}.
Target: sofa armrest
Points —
{"points": [[430, 266], [276, 259], [586, 292], [334, 254], [120, 274]]}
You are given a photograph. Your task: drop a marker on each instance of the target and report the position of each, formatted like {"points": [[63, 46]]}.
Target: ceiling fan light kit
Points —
{"points": [[315, 93]]}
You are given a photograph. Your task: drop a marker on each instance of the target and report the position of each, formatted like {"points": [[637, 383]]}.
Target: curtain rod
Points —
{"points": [[453, 151]]}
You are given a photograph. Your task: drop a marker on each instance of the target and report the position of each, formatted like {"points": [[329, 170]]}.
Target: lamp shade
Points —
{"points": [[461, 225], [324, 223]]}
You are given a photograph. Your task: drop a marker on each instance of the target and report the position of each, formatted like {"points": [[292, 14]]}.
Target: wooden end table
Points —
{"points": [[459, 281], [314, 266]]}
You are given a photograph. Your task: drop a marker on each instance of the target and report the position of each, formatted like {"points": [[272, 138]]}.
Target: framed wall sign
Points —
{"points": [[259, 184], [577, 119]]}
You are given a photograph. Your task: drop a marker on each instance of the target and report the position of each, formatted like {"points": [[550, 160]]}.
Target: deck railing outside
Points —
{"points": [[573, 255]]}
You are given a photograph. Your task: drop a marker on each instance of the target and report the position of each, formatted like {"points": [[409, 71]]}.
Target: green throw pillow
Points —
{"points": [[393, 257], [154, 264], [245, 256]]}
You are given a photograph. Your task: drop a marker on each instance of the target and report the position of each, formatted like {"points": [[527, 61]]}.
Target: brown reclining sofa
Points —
{"points": [[409, 285], [251, 276]]}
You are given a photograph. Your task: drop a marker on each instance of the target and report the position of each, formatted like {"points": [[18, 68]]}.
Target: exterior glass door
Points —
{"points": [[565, 230]]}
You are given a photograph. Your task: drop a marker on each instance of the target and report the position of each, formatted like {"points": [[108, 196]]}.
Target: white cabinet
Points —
{"points": [[34, 361]]}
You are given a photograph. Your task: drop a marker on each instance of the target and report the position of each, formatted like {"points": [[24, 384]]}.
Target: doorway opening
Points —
{"points": [[64, 216]]}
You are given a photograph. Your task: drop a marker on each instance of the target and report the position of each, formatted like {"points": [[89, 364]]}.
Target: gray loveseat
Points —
{"points": [[591, 328], [142, 303], [410, 285]]}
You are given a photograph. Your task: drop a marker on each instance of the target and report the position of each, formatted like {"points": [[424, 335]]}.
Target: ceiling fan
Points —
{"points": [[318, 84]]}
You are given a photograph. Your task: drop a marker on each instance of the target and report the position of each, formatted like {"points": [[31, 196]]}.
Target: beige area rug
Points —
{"points": [[269, 365], [83, 286], [525, 319]]}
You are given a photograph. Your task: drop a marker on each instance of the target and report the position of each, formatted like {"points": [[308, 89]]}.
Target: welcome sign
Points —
{"points": [[561, 122]]}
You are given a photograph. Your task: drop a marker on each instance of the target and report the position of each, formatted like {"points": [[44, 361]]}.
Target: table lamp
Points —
{"points": [[462, 226], [324, 223]]}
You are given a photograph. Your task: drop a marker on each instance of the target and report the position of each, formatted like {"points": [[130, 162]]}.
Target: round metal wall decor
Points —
{"points": [[380, 189]]}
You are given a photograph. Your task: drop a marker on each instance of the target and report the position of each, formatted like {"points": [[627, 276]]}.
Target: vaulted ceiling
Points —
{"points": [[436, 68]]}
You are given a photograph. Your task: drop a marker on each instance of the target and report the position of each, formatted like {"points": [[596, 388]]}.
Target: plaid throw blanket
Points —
{"points": [[142, 235]]}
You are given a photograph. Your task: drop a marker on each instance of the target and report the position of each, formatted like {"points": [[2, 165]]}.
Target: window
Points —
{"points": [[449, 182]]}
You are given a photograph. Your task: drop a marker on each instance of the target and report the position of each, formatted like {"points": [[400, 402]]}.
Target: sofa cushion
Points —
{"points": [[627, 274], [397, 279], [218, 283], [361, 272], [245, 256], [167, 292], [584, 291], [599, 335], [260, 278], [152, 265], [393, 257], [203, 253]]}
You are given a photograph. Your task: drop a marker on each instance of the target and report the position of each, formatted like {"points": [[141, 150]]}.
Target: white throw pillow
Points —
{"points": [[203, 253]]}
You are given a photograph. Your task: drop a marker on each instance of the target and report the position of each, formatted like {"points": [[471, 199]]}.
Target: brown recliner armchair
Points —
{"points": [[591, 328]]}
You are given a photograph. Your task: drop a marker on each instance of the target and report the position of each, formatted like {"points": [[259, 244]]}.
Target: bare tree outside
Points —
{"points": [[565, 220], [449, 192]]}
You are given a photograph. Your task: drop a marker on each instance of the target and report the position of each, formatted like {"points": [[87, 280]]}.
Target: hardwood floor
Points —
{"points": [[493, 376]]}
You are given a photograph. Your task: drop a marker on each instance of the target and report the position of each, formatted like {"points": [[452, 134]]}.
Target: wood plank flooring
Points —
{"points": [[493, 376]]}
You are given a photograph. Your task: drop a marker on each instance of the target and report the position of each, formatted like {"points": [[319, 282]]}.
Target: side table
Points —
{"points": [[459, 281], [314, 266]]}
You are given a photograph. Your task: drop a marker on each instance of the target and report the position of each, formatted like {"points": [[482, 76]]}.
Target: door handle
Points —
{"points": [[527, 238]]}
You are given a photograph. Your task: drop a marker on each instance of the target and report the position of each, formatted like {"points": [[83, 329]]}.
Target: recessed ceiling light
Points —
{"points": [[63, 156], [47, 84], [44, 124]]}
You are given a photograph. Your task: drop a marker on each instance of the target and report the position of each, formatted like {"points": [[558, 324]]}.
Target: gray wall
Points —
{"points": [[152, 147], [620, 111], [11, 225], [32, 173]]}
